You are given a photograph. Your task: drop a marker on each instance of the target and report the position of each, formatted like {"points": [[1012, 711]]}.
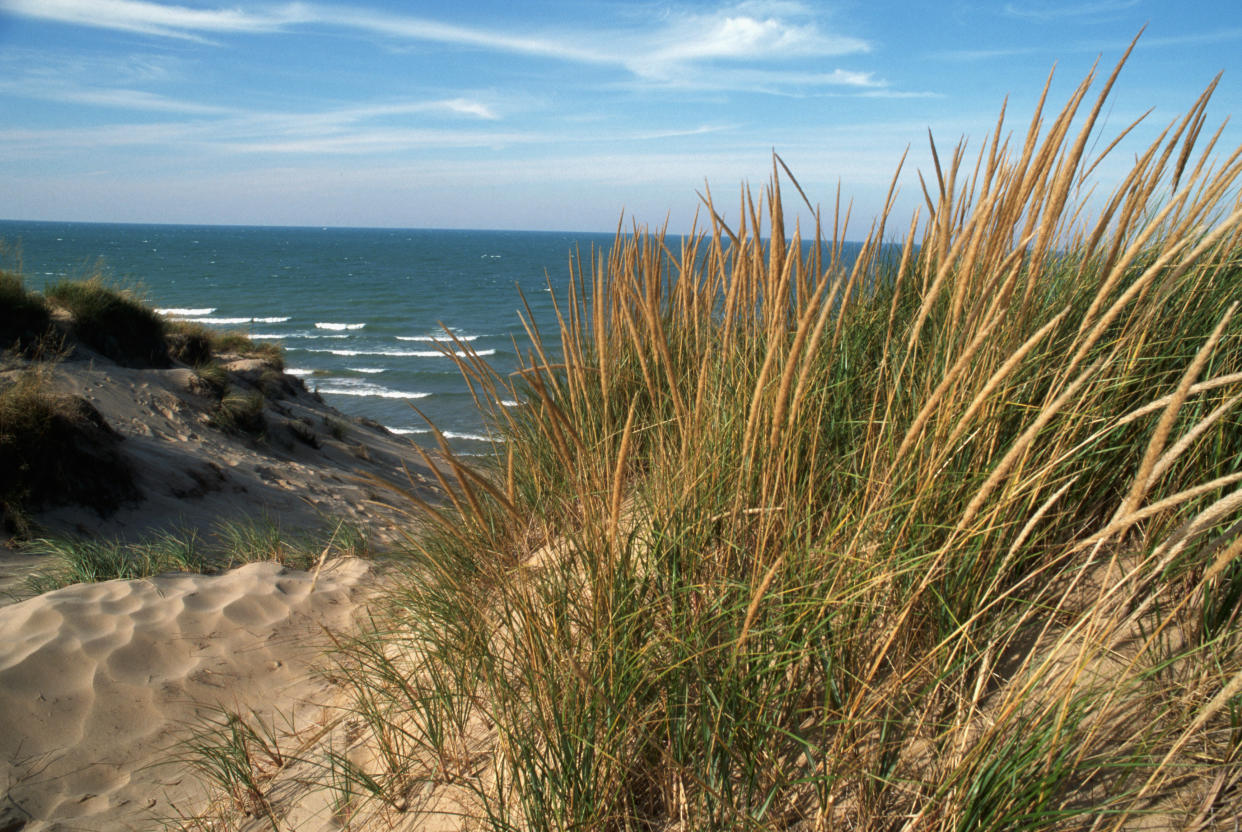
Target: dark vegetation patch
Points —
{"points": [[113, 322], [24, 317], [240, 413], [56, 450]]}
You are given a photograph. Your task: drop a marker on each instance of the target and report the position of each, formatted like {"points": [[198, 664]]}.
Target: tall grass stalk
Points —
{"points": [[943, 538]]}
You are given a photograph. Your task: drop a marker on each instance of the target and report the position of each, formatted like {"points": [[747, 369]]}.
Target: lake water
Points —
{"points": [[358, 311]]}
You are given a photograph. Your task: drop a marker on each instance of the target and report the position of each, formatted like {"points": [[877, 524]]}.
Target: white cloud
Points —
{"points": [[755, 32], [150, 18], [112, 97], [467, 107], [1044, 11], [752, 33]]}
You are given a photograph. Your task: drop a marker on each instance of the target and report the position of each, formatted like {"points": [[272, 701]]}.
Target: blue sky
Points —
{"points": [[555, 114]]}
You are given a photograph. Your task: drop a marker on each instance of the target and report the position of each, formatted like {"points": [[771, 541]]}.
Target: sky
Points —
{"points": [[552, 114]]}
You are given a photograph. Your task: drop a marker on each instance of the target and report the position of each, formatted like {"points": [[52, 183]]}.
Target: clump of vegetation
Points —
{"points": [[240, 412], [336, 427], [24, 316], [56, 450], [194, 344], [190, 343], [942, 540], [243, 345], [113, 322], [88, 561]]}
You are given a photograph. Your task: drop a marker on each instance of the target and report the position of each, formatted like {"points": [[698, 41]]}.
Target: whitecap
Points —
{"points": [[432, 339], [228, 321], [337, 327], [399, 353], [183, 312], [472, 437], [298, 371], [367, 370], [347, 387]]}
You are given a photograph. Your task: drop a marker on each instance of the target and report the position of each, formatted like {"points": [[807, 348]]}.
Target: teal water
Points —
{"points": [[357, 310]]}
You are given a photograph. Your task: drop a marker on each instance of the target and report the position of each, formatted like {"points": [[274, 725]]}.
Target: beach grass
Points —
{"points": [[55, 448], [89, 560], [112, 321], [942, 538], [24, 316]]}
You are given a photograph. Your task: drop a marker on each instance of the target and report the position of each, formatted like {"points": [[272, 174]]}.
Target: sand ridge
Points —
{"points": [[99, 683]]}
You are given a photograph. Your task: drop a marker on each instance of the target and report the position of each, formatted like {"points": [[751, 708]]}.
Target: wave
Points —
{"points": [[448, 434], [266, 336], [398, 353], [227, 321], [305, 336], [473, 437], [509, 402], [182, 312], [344, 387], [337, 327], [433, 339], [298, 371], [367, 370]]}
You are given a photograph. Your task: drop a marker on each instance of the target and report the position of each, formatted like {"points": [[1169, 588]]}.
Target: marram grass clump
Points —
{"points": [[939, 539], [24, 316], [113, 321]]}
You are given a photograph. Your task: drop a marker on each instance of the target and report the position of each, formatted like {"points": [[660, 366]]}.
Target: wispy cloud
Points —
{"points": [[688, 48], [986, 54], [1045, 12], [152, 18], [109, 97], [898, 94], [1148, 41]]}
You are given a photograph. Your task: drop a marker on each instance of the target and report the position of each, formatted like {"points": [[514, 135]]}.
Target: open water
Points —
{"points": [[358, 311]]}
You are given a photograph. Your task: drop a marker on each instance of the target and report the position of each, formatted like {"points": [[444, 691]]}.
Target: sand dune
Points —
{"points": [[99, 684]]}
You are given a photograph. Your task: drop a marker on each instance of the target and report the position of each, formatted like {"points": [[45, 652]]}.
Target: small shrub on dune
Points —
{"points": [[194, 344], [189, 343], [56, 450], [239, 343], [24, 316], [241, 413], [113, 322]]}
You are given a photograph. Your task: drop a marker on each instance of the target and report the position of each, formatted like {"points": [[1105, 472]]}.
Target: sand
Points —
{"points": [[313, 467], [102, 684]]}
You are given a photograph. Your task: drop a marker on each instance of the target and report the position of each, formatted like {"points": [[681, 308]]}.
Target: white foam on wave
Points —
{"points": [[472, 437], [431, 339], [182, 312], [349, 387], [399, 353], [337, 327], [298, 371], [367, 370], [228, 321], [509, 403], [448, 434], [265, 336]]}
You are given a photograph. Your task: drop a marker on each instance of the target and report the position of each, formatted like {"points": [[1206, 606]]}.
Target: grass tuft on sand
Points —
{"points": [[55, 449], [943, 538], [112, 321]]}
